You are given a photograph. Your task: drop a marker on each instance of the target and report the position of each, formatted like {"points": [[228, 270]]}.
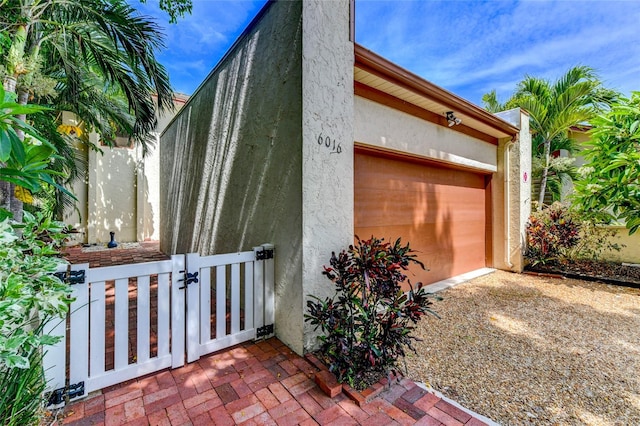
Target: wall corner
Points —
{"points": [[327, 144]]}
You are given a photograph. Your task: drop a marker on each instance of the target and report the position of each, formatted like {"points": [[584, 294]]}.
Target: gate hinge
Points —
{"points": [[60, 395], [264, 254], [264, 331], [72, 277]]}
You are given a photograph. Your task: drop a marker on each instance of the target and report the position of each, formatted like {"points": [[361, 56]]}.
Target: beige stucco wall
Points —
{"points": [[112, 195], [232, 160], [385, 127], [327, 172], [511, 194], [628, 254], [77, 216], [120, 191]]}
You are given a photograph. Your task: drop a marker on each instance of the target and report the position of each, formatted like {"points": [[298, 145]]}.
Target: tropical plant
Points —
{"points": [[99, 55], [367, 324], [557, 234], [555, 108], [609, 187], [25, 163], [549, 232], [94, 58], [30, 296]]}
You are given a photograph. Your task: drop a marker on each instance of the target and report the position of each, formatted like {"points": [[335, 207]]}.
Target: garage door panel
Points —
{"points": [[439, 211], [380, 207]]}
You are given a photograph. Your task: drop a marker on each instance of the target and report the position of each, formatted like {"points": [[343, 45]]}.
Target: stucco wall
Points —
{"points": [[511, 194], [385, 127], [631, 252], [231, 160], [112, 195], [327, 145], [148, 195]]}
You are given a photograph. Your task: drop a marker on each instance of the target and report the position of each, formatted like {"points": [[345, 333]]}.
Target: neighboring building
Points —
{"points": [[121, 189], [300, 138]]}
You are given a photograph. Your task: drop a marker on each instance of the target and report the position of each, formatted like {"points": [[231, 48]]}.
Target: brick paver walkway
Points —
{"points": [[261, 383], [148, 251]]}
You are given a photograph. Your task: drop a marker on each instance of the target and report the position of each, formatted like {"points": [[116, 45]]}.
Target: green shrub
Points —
{"points": [[557, 234], [30, 296], [367, 324]]}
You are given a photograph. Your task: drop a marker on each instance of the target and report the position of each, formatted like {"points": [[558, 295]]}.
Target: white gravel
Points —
{"points": [[526, 350]]}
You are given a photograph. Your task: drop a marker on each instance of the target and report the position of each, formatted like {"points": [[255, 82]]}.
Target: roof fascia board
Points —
{"points": [[381, 67]]}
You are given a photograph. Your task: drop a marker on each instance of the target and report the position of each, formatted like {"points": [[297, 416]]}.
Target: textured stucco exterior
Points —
{"points": [[232, 159], [511, 194], [327, 116], [381, 126], [242, 159], [630, 253]]}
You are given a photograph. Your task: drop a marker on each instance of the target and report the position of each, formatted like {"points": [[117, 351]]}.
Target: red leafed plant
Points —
{"points": [[367, 323]]}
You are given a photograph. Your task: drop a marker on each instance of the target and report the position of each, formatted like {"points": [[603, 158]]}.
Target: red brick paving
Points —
{"points": [[148, 251], [195, 395]]}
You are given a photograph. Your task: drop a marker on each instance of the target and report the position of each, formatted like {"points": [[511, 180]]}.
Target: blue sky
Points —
{"points": [[469, 47]]}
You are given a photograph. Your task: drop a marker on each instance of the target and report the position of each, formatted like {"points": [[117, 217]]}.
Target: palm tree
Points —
{"points": [[555, 108], [94, 58]]}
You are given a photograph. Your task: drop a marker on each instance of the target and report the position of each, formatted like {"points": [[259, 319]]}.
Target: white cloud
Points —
{"points": [[472, 47]]}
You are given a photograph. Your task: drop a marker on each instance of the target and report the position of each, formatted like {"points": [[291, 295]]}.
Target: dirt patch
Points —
{"points": [[607, 271], [526, 350]]}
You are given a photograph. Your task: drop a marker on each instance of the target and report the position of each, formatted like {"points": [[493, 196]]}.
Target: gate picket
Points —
{"points": [[181, 323]]}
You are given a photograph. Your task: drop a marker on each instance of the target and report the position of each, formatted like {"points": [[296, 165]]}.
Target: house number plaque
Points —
{"points": [[328, 143]]}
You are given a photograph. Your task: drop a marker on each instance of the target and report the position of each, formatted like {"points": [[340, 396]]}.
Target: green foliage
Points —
{"points": [[367, 324], [30, 296], [21, 391], [556, 234], [609, 187], [554, 108], [26, 163], [175, 8]]}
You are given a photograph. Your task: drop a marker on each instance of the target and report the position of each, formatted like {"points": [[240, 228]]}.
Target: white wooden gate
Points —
{"points": [[131, 320]]}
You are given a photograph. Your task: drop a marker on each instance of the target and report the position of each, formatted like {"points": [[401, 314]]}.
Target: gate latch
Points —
{"points": [[188, 279]]}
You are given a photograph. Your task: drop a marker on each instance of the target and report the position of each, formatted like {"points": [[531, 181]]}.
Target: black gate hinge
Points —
{"points": [[72, 277], [264, 254], [60, 395], [264, 331]]}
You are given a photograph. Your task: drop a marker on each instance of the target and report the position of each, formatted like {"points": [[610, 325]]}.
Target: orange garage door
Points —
{"points": [[440, 211]]}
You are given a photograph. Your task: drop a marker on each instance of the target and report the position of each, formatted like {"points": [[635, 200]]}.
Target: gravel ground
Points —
{"points": [[526, 350]]}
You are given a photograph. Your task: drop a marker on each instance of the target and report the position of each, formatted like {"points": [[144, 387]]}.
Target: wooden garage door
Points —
{"points": [[440, 211]]}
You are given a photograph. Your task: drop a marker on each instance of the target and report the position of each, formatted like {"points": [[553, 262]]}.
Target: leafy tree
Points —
{"points": [[175, 8], [609, 186], [554, 109], [24, 163], [94, 58]]}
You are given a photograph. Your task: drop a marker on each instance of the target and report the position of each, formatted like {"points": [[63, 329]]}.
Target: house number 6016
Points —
{"points": [[329, 144]]}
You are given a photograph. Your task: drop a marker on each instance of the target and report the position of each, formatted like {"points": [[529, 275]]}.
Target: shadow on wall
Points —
{"points": [[115, 196], [231, 162], [236, 167], [147, 216], [395, 199]]}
